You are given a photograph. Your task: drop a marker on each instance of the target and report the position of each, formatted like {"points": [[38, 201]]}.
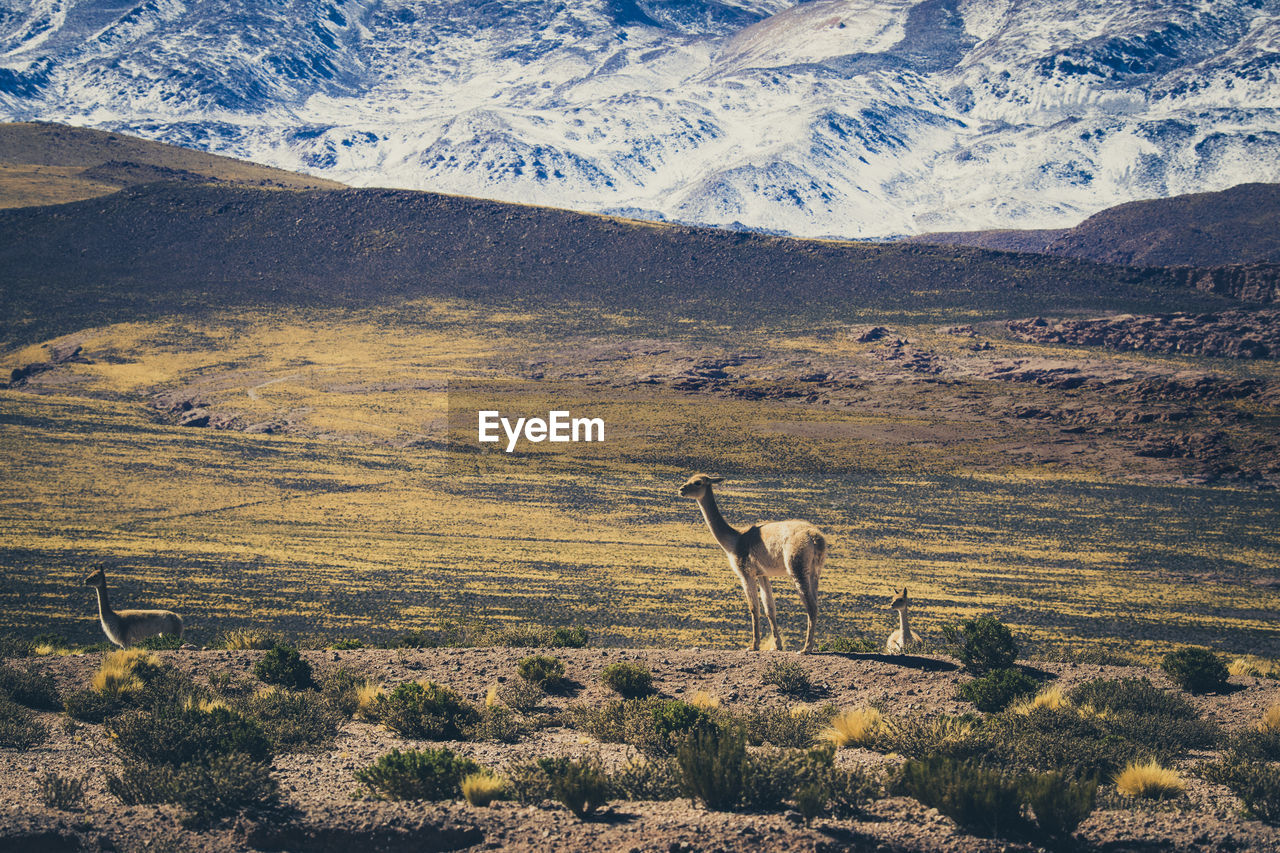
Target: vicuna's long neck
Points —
{"points": [[902, 622], [725, 535], [105, 613]]}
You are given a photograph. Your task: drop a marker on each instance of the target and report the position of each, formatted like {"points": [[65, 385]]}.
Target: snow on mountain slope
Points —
{"points": [[852, 118]]}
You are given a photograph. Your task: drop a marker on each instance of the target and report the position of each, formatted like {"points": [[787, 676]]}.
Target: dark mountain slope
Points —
{"points": [[44, 163], [167, 247], [1236, 226]]}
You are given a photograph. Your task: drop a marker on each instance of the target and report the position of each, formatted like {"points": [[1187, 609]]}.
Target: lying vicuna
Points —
{"points": [[126, 627], [903, 638]]}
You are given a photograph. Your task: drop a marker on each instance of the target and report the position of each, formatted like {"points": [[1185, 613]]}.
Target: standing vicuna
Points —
{"points": [[794, 549], [126, 627], [903, 638]]}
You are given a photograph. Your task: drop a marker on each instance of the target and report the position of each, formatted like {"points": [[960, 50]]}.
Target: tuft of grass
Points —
{"points": [[368, 693], [944, 735], [856, 727], [127, 671], [246, 639], [789, 676], [1195, 669], [426, 774], [482, 788], [630, 680], [1148, 780], [1052, 697], [1254, 667], [704, 701], [1270, 722], [61, 792]]}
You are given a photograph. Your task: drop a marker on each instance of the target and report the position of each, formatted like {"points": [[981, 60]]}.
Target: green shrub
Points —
{"points": [[530, 785], [339, 687], [426, 774], [426, 710], [14, 646], [655, 779], [19, 727], [1256, 783], [982, 645], [995, 690], [61, 792], [282, 665], [789, 676], [922, 737], [172, 734], [160, 643], [848, 645], [1257, 744], [849, 789], [543, 670], [1058, 739], [981, 800], [32, 689], [1058, 803], [294, 722], [631, 680], [579, 785], [498, 724], [1195, 670], [520, 695], [652, 725], [1165, 723], [90, 706], [797, 728], [205, 790], [712, 762], [415, 639], [566, 637], [347, 643]]}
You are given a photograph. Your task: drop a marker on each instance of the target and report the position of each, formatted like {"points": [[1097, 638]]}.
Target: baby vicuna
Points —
{"points": [[126, 627], [904, 637]]}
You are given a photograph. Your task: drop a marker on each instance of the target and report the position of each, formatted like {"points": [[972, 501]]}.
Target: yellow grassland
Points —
{"points": [[362, 524]]}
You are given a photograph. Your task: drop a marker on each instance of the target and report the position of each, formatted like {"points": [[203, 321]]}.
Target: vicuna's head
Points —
{"points": [[899, 601], [98, 578], [697, 485]]}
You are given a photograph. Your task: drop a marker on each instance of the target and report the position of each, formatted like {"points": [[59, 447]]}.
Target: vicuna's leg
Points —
{"points": [[807, 586], [752, 591], [771, 611]]}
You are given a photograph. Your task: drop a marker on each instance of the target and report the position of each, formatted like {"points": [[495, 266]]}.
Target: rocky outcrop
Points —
{"points": [[1227, 334], [187, 408], [1247, 282], [63, 353]]}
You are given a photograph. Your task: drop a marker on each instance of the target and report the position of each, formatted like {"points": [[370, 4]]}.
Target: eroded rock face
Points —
{"points": [[1248, 282], [1227, 334], [63, 353]]}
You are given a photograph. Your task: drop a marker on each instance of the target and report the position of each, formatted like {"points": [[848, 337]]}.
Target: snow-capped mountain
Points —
{"points": [[852, 118]]}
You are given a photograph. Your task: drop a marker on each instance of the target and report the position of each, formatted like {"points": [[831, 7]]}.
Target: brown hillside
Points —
{"points": [[43, 163], [1236, 226]]}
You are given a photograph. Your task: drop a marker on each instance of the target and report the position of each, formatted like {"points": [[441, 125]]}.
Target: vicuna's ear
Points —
{"points": [[904, 592], [715, 479]]}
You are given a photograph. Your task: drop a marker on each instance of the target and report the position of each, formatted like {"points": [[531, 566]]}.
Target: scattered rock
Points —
{"points": [[1227, 334]]}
